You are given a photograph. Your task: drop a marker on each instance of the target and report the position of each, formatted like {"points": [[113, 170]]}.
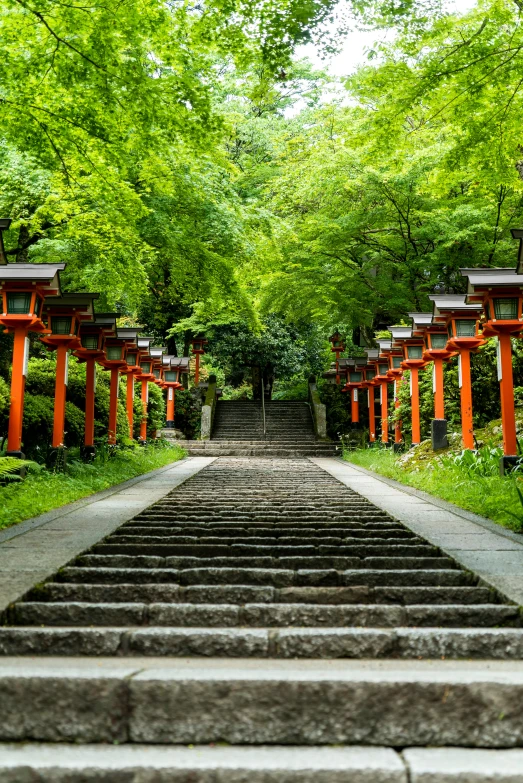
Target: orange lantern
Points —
{"points": [[198, 348], [23, 288], [462, 323], [65, 315], [383, 378], [500, 292]]}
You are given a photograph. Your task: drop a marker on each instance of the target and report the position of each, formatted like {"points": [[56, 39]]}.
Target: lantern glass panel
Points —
{"points": [[61, 324], [39, 303], [465, 328], [114, 352], [438, 341], [131, 359], [506, 309], [383, 368], [414, 351], [89, 341], [197, 346], [355, 377], [145, 367], [449, 331], [156, 373], [170, 376], [369, 375], [396, 362], [18, 303]]}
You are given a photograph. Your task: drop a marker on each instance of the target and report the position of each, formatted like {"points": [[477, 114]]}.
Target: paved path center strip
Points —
{"points": [[496, 556], [34, 552]]}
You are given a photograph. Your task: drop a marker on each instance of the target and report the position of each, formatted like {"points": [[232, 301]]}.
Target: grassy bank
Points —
{"points": [[451, 478], [43, 490]]}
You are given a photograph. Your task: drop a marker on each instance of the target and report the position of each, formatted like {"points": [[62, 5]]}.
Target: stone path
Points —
{"points": [[265, 605]]}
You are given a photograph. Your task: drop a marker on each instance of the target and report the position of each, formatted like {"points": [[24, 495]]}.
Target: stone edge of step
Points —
{"points": [[357, 764], [285, 643]]}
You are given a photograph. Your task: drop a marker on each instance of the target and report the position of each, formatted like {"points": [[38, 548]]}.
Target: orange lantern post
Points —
{"points": [[435, 340], [395, 374], [65, 315], [337, 347], [413, 361], [383, 379], [500, 291], [146, 376], [91, 350], [171, 375], [462, 321], [198, 350], [23, 288], [370, 385], [131, 370], [115, 361]]}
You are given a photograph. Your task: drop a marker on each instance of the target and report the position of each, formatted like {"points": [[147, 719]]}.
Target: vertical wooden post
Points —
{"points": [[145, 400], [372, 415], [397, 423], [113, 405], [414, 402], [439, 395], [90, 382], [170, 408], [338, 369], [16, 411], [467, 425], [197, 370], [384, 412], [129, 402], [506, 388], [62, 358], [354, 406]]}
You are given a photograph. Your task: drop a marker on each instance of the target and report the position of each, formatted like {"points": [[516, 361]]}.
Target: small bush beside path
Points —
{"points": [[43, 490]]}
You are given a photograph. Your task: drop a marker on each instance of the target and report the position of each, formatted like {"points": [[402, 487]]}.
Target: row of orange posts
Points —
{"points": [[31, 301], [457, 326]]}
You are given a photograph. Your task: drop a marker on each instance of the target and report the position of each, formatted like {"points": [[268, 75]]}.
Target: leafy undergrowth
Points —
{"points": [[468, 479], [43, 490]]}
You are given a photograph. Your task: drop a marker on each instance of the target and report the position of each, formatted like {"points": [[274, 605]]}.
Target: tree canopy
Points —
{"points": [[187, 165]]}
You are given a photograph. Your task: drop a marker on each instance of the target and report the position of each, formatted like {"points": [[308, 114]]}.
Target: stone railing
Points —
{"points": [[318, 410], [208, 409]]}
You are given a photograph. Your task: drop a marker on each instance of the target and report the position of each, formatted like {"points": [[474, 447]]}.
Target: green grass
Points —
{"points": [[43, 490], [491, 496]]}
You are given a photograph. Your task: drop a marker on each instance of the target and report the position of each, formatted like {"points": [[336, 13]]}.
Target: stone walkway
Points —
{"points": [[281, 606]]}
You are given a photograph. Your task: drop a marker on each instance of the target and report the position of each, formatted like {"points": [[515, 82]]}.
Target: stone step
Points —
{"points": [[256, 615], [207, 700], [98, 565], [122, 562], [245, 550], [309, 643], [248, 591], [292, 534], [124, 538], [136, 763]]}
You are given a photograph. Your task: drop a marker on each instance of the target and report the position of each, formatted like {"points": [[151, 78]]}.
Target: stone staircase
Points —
{"points": [[262, 623], [238, 431]]}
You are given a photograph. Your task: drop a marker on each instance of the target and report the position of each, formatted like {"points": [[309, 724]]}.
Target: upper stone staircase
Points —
{"points": [[238, 431]]}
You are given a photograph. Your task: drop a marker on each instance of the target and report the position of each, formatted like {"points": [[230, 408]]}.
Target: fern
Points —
{"points": [[10, 467]]}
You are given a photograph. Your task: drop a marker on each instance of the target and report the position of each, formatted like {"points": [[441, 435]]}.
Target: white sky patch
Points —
{"points": [[358, 42]]}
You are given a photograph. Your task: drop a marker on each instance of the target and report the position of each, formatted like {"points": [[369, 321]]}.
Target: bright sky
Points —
{"points": [[357, 43]]}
